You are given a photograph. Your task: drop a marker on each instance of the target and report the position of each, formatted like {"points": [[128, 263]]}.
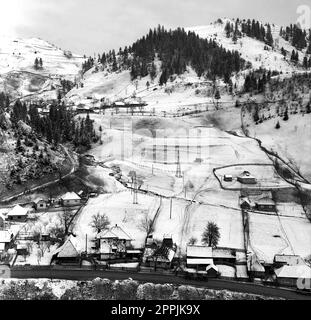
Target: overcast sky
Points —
{"points": [[88, 26]]}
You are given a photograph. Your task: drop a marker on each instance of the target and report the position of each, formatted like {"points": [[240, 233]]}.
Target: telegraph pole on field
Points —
{"points": [[86, 243], [178, 169], [135, 191], [171, 208]]}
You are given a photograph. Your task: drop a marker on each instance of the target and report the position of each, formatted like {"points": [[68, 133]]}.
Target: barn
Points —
{"points": [[266, 204], [247, 178]]}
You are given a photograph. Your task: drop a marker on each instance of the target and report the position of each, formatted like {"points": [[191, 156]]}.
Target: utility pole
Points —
{"points": [[171, 208], [135, 191], [178, 169], [86, 244]]}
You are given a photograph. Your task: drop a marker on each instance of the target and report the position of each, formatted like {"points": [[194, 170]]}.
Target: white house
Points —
{"points": [[113, 242], [18, 214], [70, 199]]}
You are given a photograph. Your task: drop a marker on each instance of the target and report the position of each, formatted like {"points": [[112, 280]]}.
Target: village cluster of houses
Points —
{"points": [[21, 214], [113, 244], [257, 200], [285, 270], [244, 178], [94, 105]]}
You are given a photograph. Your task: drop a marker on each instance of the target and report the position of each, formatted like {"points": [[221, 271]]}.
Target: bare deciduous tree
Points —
{"points": [[146, 225], [192, 241], [100, 222], [65, 219]]}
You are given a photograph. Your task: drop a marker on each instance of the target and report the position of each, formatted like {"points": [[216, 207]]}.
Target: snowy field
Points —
{"points": [[271, 235], [266, 176], [294, 148], [120, 210]]}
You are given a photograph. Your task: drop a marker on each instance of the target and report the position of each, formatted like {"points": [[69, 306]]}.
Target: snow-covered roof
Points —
{"points": [[115, 232], [224, 253], [70, 196], [211, 266], [245, 200], [199, 252], [301, 271], [5, 237], [106, 234], [120, 233], [265, 201], [18, 211], [247, 175], [201, 261], [67, 250], [36, 201], [119, 103], [290, 260]]}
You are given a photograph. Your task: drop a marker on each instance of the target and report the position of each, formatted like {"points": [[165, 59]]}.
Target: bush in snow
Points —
{"points": [[27, 290], [146, 291], [189, 293], [125, 290], [104, 289], [83, 291]]}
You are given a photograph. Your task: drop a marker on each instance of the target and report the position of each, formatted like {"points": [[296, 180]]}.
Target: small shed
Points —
{"points": [[212, 271], [40, 204], [21, 250], [228, 178], [245, 203]]}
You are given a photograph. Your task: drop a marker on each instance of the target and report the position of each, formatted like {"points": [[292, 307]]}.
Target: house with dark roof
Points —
{"points": [[246, 178], [265, 204], [40, 204]]}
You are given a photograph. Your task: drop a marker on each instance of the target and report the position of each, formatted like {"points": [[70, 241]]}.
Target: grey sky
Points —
{"points": [[88, 26]]}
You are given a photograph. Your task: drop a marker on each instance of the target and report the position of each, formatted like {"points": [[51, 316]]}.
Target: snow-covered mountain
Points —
{"points": [[188, 88], [17, 73], [252, 50]]}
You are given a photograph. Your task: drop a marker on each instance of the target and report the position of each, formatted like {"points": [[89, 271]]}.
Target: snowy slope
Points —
{"points": [[188, 89], [17, 73], [251, 49]]}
